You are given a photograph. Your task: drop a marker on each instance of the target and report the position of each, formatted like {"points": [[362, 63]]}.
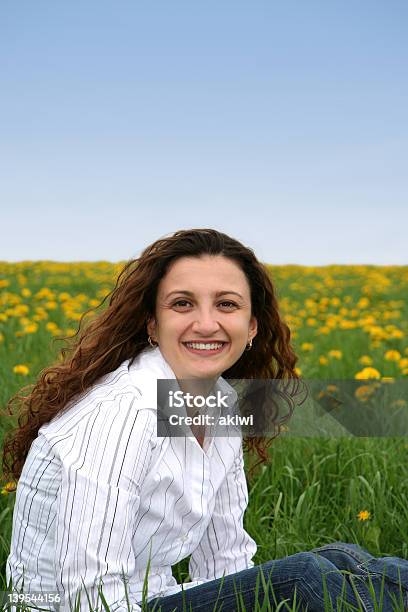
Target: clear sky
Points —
{"points": [[281, 123]]}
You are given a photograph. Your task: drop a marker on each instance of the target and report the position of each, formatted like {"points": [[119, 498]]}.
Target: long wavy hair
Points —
{"points": [[119, 333]]}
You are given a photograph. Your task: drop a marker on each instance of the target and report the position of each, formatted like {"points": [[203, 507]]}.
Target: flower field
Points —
{"points": [[347, 322]]}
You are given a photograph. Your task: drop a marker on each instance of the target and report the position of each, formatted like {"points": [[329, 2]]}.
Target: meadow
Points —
{"points": [[347, 323]]}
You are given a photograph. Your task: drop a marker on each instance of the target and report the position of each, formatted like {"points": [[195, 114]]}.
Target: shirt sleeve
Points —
{"points": [[103, 466], [225, 547]]}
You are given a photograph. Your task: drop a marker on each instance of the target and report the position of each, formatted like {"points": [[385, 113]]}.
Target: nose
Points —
{"points": [[206, 323]]}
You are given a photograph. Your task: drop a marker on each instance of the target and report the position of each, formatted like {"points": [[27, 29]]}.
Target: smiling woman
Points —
{"points": [[103, 501]]}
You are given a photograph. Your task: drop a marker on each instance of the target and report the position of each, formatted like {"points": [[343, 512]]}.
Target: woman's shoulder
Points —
{"points": [[119, 391], [108, 422]]}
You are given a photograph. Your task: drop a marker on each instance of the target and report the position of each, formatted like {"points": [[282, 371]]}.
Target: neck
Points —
{"points": [[197, 386]]}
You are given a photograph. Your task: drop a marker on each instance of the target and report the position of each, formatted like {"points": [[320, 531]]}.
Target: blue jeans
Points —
{"points": [[337, 573]]}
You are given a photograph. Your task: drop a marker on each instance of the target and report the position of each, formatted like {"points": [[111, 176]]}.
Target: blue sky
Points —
{"points": [[283, 124]]}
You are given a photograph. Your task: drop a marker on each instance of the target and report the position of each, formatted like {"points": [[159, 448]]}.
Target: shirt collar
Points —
{"points": [[151, 361]]}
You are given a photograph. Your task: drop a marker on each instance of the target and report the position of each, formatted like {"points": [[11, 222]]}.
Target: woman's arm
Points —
{"points": [[226, 547], [98, 501]]}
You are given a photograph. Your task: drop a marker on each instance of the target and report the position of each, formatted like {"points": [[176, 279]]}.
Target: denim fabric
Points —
{"points": [[336, 572], [382, 578]]}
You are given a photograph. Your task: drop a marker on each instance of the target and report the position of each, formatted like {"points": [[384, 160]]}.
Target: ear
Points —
{"points": [[253, 327], [151, 327]]}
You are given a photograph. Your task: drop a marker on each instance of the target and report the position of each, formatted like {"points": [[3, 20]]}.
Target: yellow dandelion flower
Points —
{"points": [[365, 360], [392, 356], [364, 392], [74, 316], [348, 324], [31, 328], [307, 346], [335, 353], [21, 369], [64, 296], [298, 371], [9, 487], [57, 332], [26, 292], [399, 403], [403, 363], [51, 326], [376, 332], [70, 331], [45, 292], [367, 373], [363, 302], [41, 314], [397, 333], [20, 309], [323, 360], [363, 515]]}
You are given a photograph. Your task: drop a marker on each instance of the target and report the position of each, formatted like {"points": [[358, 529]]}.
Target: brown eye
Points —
{"points": [[182, 303], [227, 305]]}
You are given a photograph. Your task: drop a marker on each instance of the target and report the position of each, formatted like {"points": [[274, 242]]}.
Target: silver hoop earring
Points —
{"points": [[249, 345], [152, 344]]}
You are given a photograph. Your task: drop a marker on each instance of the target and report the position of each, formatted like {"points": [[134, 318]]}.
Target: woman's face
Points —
{"points": [[203, 316]]}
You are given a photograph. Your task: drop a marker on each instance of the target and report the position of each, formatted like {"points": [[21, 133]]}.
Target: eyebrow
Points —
{"points": [[217, 293]]}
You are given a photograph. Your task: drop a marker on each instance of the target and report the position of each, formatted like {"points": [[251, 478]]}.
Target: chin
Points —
{"points": [[204, 372]]}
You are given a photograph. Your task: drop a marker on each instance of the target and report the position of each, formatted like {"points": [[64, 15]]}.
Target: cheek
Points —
{"points": [[240, 325], [174, 324]]}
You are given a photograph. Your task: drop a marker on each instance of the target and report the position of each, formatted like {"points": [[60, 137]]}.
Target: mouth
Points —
{"points": [[205, 349]]}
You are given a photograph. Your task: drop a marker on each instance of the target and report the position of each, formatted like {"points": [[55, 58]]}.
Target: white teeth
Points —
{"points": [[204, 347]]}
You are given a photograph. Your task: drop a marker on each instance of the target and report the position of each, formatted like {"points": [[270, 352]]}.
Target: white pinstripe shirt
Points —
{"points": [[99, 491]]}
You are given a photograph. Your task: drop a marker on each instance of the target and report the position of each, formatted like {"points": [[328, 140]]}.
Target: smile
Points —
{"points": [[205, 348]]}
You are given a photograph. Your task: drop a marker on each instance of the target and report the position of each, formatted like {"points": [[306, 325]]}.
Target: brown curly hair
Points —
{"points": [[119, 333]]}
